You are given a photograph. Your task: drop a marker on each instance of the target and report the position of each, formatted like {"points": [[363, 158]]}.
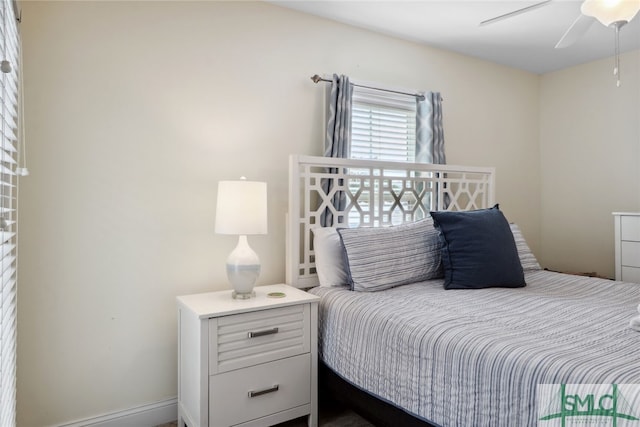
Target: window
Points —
{"points": [[9, 108], [383, 126]]}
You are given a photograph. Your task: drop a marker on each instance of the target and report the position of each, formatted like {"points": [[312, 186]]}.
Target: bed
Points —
{"points": [[420, 354]]}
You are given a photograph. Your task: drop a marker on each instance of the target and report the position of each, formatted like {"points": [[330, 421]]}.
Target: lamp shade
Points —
{"points": [[241, 207], [610, 11]]}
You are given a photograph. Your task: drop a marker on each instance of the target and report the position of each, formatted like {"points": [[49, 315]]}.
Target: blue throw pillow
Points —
{"points": [[478, 250]]}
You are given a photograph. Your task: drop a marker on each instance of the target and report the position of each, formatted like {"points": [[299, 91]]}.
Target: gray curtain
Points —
{"points": [[429, 129], [430, 134], [337, 139]]}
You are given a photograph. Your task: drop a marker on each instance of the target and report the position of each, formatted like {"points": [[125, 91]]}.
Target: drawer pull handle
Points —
{"points": [[265, 391], [263, 333]]}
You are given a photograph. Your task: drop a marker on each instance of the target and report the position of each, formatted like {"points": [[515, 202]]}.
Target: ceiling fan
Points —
{"points": [[611, 13]]}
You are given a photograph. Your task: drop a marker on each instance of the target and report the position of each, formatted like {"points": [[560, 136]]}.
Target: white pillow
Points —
{"points": [[329, 257]]}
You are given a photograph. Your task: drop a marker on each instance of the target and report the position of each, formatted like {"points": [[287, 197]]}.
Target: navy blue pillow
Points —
{"points": [[478, 250]]}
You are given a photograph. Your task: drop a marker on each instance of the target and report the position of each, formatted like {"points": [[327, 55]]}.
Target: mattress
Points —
{"points": [[476, 357]]}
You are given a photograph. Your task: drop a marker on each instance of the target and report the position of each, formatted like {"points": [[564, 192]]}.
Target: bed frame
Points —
{"points": [[334, 389], [377, 194]]}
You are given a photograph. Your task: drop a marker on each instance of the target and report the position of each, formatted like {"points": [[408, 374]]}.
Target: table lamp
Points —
{"points": [[242, 210]]}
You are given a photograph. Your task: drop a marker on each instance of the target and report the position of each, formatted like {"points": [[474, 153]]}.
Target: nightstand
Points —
{"points": [[247, 362]]}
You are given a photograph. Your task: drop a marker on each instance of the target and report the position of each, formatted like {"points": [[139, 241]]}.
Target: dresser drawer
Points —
{"points": [[630, 228], [630, 274], [630, 255], [246, 339], [247, 394]]}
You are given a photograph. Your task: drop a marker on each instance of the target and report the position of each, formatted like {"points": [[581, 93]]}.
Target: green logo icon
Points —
{"points": [[587, 404]]}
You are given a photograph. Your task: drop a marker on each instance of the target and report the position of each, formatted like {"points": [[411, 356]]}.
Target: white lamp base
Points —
{"points": [[243, 269], [236, 295]]}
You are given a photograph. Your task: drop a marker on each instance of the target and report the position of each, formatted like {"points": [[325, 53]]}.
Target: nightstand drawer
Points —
{"points": [[247, 394], [630, 228], [247, 339]]}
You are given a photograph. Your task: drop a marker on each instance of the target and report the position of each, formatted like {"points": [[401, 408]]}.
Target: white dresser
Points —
{"points": [[627, 246], [247, 362]]}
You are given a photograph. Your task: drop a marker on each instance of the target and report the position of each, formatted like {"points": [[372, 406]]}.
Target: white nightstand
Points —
{"points": [[247, 362]]}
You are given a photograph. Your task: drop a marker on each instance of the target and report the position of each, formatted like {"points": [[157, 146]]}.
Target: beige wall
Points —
{"points": [[135, 110], [590, 158]]}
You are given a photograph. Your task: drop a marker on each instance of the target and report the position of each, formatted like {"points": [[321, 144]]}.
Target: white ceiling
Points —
{"points": [[525, 41]]}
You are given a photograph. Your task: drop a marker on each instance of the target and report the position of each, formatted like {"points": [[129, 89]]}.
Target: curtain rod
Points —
{"points": [[316, 78]]}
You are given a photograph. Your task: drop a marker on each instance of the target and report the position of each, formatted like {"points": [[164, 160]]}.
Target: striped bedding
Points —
{"points": [[475, 357]]}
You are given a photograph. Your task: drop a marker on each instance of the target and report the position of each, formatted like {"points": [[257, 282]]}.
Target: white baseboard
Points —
{"points": [[149, 415]]}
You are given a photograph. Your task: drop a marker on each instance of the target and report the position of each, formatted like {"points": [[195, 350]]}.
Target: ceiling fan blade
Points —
{"points": [[515, 13], [575, 31]]}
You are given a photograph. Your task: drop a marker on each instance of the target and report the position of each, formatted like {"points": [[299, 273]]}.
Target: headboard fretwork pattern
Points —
{"points": [[334, 192]]}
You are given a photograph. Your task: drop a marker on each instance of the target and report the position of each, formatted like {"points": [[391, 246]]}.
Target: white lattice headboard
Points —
{"points": [[375, 194]]}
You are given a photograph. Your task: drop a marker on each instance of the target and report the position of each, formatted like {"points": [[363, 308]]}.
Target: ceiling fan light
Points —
{"points": [[610, 11]]}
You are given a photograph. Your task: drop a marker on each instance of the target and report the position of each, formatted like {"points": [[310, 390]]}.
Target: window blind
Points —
{"points": [[383, 125], [9, 128]]}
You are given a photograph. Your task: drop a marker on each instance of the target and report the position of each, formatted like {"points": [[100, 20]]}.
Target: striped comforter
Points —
{"points": [[475, 357]]}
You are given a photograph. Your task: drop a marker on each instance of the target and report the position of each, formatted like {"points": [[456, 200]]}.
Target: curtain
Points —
{"points": [[430, 135], [337, 138], [429, 129]]}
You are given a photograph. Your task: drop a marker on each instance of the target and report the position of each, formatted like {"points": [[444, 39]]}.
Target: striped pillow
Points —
{"points": [[384, 257], [527, 258]]}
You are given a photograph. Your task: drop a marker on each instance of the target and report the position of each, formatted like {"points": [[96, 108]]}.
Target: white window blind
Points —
{"points": [[9, 45], [383, 125]]}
